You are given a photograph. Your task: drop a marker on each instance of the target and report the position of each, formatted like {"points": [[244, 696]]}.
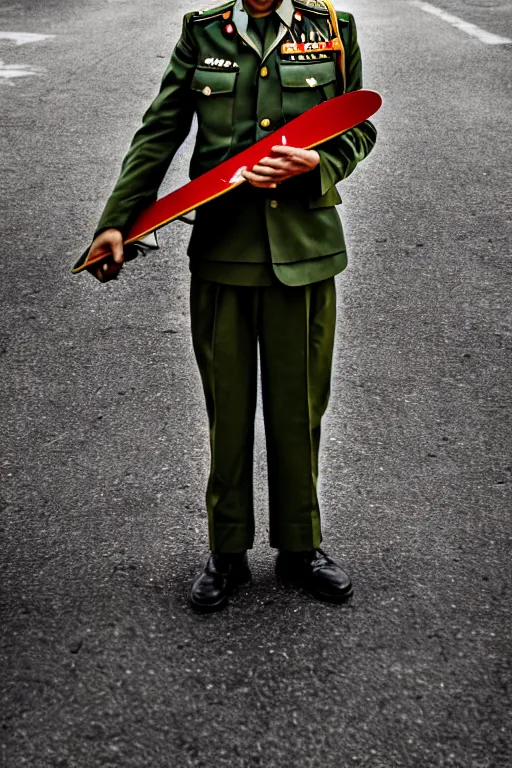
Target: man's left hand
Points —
{"points": [[290, 161]]}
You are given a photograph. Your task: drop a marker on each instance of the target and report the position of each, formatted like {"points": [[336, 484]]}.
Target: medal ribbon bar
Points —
{"points": [[288, 49]]}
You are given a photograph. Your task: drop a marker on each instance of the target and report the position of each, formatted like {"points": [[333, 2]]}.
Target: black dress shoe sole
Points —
{"points": [[289, 578], [238, 578], [327, 597], [209, 607]]}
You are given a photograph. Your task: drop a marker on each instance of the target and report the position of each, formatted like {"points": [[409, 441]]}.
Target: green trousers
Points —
{"points": [[294, 327]]}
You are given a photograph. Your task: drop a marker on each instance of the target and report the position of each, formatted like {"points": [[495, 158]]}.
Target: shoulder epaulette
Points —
{"points": [[344, 17], [314, 6], [211, 13], [320, 8]]}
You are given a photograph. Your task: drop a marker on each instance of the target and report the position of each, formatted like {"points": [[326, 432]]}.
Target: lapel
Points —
{"points": [[285, 12], [241, 20]]}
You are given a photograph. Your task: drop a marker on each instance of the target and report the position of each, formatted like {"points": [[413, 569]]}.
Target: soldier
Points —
{"points": [[262, 259]]}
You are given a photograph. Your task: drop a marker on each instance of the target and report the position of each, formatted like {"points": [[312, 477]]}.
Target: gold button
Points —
{"points": [[264, 72], [274, 204], [265, 122]]}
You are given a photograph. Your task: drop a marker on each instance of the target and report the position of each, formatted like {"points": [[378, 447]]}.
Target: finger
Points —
{"points": [[268, 172], [291, 170], [265, 185], [282, 163], [273, 162], [262, 186], [118, 252], [114, 269], [109, 269], [256, 178], [299, 163], [283, 149], [302, 157], [252, 176], [99, 252]]}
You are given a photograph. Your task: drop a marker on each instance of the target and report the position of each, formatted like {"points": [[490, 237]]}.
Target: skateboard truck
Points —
{"points": [[188, 219]]}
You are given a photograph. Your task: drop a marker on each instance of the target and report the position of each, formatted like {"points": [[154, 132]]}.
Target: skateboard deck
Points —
{"points": [[316, 126]]}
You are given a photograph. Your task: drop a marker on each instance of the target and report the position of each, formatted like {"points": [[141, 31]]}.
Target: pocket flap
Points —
{"points": [[213, 81], [308, 75]]}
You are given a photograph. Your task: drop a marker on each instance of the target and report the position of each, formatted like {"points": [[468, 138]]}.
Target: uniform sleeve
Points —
{"points": [[339, 156], [165, 126]]}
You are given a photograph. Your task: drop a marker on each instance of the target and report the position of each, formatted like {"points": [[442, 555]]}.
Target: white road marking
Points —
{"points": [[465, 26], [11, 71], [20, 38]]}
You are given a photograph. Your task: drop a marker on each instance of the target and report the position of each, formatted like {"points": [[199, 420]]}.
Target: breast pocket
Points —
{"points": [[306, 84], [215, 96]]}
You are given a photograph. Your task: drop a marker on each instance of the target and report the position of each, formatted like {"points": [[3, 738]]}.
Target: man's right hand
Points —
{"points": [[109, 242]]}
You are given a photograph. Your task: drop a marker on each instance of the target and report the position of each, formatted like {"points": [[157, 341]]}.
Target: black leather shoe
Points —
{"points": [[222, 572], [316, 573]]}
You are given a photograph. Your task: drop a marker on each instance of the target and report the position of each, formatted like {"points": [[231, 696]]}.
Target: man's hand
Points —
{"points": [[109, 242], [290, 161]]}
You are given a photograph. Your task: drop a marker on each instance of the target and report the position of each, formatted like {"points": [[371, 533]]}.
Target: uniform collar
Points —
{"points": [[241, 19], [285, 12]]}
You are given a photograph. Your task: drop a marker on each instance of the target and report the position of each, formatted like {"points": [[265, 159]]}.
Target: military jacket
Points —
{"points": [[240, 88]]}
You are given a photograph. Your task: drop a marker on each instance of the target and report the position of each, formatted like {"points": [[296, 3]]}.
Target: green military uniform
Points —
{"points": [[262, 261]]}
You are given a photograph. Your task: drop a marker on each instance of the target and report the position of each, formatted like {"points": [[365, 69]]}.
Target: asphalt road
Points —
{"points": [[104, 441]]}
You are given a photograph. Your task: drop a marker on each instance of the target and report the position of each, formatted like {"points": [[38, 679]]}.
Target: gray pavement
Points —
{"points": [[104, 441], [491, 15]]}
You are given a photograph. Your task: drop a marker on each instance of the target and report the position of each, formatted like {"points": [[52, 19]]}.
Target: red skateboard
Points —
{"points": [[314, 127]]}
